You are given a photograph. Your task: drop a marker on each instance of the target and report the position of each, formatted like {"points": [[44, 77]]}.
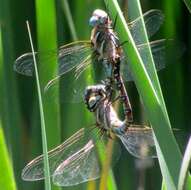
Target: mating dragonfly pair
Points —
{"points": [[75, 161]]}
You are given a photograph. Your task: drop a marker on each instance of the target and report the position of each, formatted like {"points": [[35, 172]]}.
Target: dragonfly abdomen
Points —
{"points": [[106, 43]]}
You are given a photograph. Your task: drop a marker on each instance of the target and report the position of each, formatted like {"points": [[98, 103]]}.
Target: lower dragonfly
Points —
{"points": [[76, 160], [134, 137]]}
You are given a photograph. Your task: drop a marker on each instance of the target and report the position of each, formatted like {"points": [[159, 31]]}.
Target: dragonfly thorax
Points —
{"points": [[98, 101], [103, 38]]}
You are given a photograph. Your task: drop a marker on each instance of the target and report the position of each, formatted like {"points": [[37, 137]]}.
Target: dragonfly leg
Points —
{"points": [[115, 22], [114, 100], [121, 44], [109, 88]]}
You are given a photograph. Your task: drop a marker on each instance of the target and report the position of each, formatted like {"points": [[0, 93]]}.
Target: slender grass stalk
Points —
{"points": [[152, 101], [42, 119], [69, 18], [184, 168], [105, 153], [188, 4], [106, 166], [91, 185], [7, 181]]}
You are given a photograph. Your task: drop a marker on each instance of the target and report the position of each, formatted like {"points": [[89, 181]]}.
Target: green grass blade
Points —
{"points": [[184, 168], [47, 40], [42, 119], [136, 13], [154, 106], [188, 4], [9, 102], [7, 181]]}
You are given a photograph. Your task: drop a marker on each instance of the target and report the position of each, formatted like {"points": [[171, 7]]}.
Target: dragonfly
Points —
{"points": [[134, 137], [76, 57], [76, 160]]}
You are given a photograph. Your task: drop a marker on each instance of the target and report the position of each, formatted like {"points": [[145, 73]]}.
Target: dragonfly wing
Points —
{"points": [[165, 52], [153, 20], [75, 56], [69, 56], [34, 170], [71, 86], [80, 167], [72, 55], [125, 70], [139, 142], [24, 64], [158, 49]]}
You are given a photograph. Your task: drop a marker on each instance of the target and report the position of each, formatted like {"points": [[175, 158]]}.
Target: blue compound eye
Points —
{"points": [[93, 21]]}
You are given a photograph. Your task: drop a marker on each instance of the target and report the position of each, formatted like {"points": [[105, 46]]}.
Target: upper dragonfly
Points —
{"points": [[76, 160], [80, 55]]}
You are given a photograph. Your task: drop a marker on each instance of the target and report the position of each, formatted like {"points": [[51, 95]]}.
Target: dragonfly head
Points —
{"points": [[93, 96], [99, 18]]}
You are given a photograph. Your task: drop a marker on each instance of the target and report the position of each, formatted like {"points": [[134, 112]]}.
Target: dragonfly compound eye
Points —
{"points": [[92, 103], [98, 17]]}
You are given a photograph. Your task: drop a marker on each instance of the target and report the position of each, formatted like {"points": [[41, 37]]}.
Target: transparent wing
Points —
{"points": [[73, 84], [61, 154], [165, 52], [153, 20], [24, 64], [70, 87], [139, 142], [69, 56], [73, 162], [80, 167], [84, 165], [72, 55], [73, 58]]}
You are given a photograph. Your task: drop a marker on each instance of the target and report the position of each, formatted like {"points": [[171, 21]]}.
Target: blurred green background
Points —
{"points": [[19, 114]]}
